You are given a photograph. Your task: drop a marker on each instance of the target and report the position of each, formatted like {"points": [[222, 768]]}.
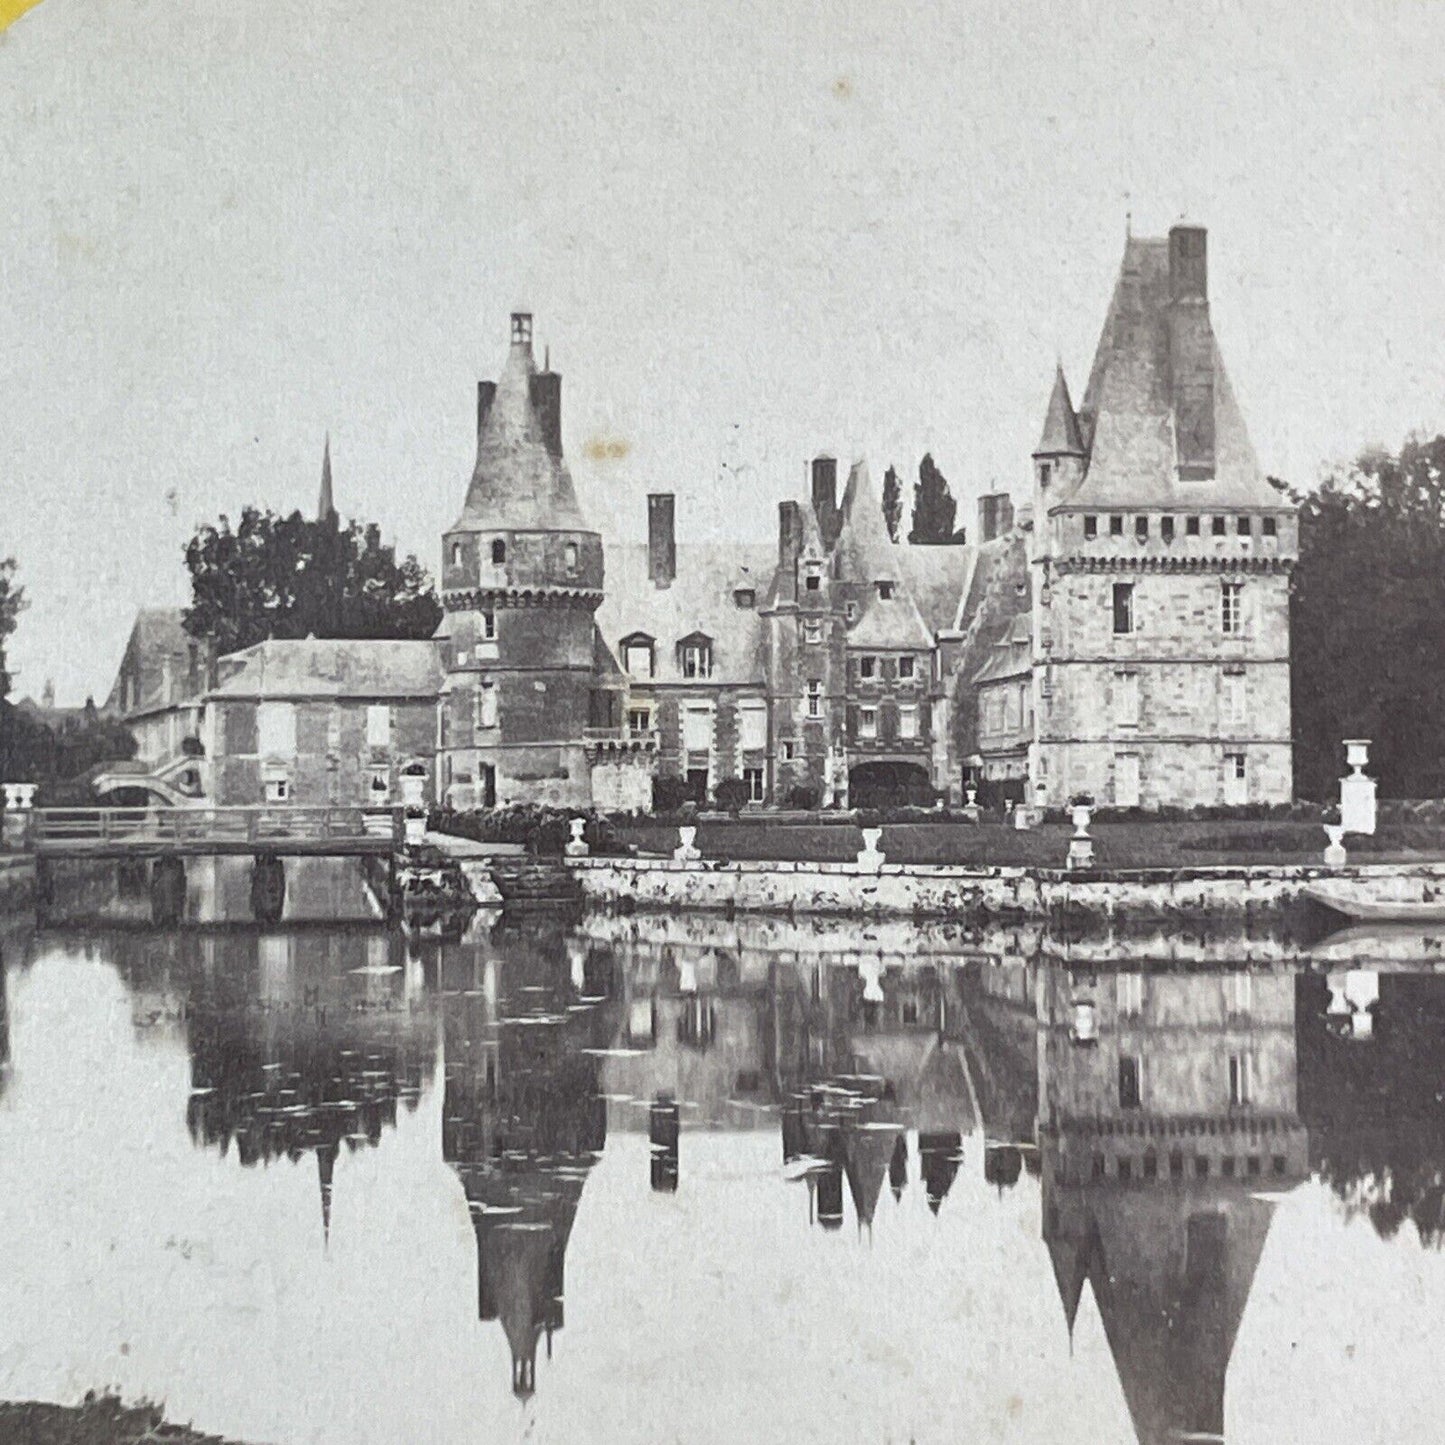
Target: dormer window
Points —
{"points": [[813, 581], [885, 591], [499, 552], [812, 631], [745, 597], [639, 655], [1091, 527], [694, 656]]}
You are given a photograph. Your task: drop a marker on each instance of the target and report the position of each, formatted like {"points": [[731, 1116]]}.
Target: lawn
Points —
{"points": [[1116, 845]]}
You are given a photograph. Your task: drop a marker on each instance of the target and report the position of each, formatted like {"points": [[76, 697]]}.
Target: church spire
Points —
{"points": [[325, 507], [325, 1166]]}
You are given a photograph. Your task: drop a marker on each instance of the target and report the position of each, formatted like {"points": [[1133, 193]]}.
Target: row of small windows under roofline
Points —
{"points": [[886, 667], [497, 550], [1167, 526]]}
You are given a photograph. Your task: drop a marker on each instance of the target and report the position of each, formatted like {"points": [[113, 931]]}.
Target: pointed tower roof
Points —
{"points": [[1061, 436], [325, 507], [867, 1154], [518, 484], [869, 556]]}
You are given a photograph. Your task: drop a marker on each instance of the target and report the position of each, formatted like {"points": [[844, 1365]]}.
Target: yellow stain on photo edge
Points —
{"points": [[12, 10]]}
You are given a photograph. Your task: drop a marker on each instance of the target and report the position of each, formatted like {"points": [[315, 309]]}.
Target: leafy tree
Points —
{"points": [[1367, 611], [892, 502], [933, 506], [287, 576], [12, 604]]}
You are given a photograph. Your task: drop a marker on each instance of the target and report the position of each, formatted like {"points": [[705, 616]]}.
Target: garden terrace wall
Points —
{"points": [[943, 891]]}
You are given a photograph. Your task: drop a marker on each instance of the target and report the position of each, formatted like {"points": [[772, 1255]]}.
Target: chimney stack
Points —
{"points": [[995, 515], [661, 539], [522, 331], [546, 391], [790, 543], [486, 395], [824, 493], [1191, 354]]}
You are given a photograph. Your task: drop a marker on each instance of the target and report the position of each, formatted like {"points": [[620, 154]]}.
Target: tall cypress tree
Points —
{"points": [[892, 502], [933, 506]]}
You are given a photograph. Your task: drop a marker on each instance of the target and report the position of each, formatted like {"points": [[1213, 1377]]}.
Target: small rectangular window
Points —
{"points": [[1241, 1079], [753, 777], [908, 721], [1116, 526], [815, 697], [1217, 526], [1191, 526], [1126, 699], [639, 719], [812, 631], [790, 750], [378, 725], [1241, 526], [1141, 527], [866, 666], [1123, 607], [905, 668], [812, 583], [867, 722], [1231, 608], [850, 611], [1268, 527], [885, 591], [1166, 528], [1091, 527], [1130, 1079], [489, 625]]}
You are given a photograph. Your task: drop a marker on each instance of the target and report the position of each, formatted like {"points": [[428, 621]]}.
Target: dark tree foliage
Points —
{"points": [[275, 576], [1367, 616], [12, 604], [40, 753], [892, 502], [933, 506]]}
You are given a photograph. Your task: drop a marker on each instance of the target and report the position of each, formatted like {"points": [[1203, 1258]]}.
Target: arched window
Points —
{"points": [[499, 552], [456, 554], [694, 655], [638, 655]]}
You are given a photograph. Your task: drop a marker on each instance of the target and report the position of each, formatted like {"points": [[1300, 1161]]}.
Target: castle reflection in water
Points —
{"points": [[1165, 1095]]}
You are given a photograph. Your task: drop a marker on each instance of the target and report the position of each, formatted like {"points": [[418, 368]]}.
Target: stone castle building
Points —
{"points": [[1161, 559], [1126, 636]]}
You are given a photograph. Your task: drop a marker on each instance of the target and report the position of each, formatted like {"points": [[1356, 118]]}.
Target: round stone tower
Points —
{"points": [[521, 578]]}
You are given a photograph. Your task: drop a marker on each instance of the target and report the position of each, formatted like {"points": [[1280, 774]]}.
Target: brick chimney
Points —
{"points": [[546, 390], [661, 539], [486, 395], [995, 515], [790, 548], [824, 492], [1191, 353]]}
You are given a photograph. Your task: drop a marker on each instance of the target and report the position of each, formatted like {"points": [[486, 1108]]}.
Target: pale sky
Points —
{"points": [[757, 229]]}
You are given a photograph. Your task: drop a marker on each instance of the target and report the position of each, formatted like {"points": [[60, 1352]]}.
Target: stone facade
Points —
{"points": [[310, 722], [1161, 566], [521, 577]]}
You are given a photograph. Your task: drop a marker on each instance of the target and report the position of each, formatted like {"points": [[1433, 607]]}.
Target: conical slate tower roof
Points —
{"points": [[1061, 436], [518, 485]]}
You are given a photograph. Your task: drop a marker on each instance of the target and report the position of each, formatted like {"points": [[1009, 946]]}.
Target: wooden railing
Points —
{"points": [[56, 829]]}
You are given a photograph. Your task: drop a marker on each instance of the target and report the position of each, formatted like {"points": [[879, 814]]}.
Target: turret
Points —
{"points": [[1059, 456]]}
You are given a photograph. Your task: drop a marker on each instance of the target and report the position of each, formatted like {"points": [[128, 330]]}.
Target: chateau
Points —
{"points": [[1125, 636]]}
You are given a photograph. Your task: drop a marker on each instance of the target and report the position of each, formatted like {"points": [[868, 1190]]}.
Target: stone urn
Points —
{"points": [[686, 850], [575, 846], [870, 857], [1081, 846], [971, 794], [20, 797], [1335, 852], [1357, 752], [1357, 792]]}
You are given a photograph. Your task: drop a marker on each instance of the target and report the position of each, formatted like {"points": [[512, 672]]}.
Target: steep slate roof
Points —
{"points": [[1127, 416], [333, 668], [869, 555], [1012, 653], [937, 579], [157, 633], [1061, 427], [518, 485], [699, 599]]}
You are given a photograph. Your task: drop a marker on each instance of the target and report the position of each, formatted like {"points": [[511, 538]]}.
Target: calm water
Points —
{"points": [[686, 1179]]}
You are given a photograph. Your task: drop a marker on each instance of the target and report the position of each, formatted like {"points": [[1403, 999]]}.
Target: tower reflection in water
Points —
{"points": [[526, 1012]]}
